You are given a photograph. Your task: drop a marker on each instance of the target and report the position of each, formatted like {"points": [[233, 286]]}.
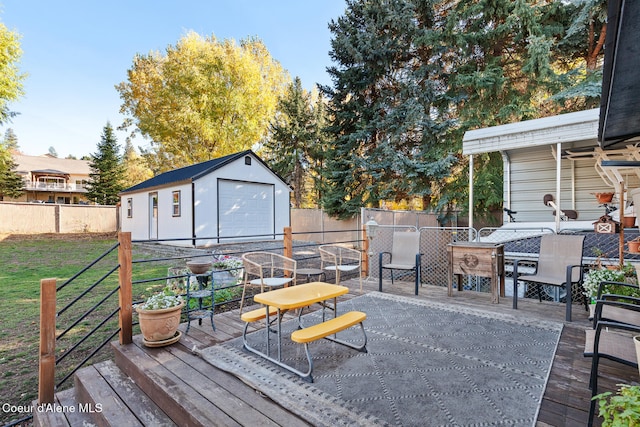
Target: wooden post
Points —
{"points": [[47, 365], [125, 297], [288, 248], [288, 242], [365, 252]]}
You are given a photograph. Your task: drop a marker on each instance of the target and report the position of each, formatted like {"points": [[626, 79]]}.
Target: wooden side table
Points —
{"points": [[477, 259]]}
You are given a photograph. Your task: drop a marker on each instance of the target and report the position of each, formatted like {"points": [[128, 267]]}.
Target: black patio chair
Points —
{"points": [[404, 255], [610, 340]]}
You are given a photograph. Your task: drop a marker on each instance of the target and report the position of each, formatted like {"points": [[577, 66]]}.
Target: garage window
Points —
{"points": [[176, 203]]}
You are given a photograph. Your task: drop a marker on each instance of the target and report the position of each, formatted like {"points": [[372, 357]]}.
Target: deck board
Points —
{"points": [[565, 401], [235, 398]]}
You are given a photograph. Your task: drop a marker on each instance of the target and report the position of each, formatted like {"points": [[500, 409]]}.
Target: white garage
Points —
{"points": [[232, 198]]}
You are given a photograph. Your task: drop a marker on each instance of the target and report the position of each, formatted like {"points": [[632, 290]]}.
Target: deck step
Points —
{"points": [[165, 386], [65, 399], [115, 399], [102, 395], [185, 386]]}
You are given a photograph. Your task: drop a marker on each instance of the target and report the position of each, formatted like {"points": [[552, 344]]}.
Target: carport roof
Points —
{"points": [[569, 127], [189, 173]]}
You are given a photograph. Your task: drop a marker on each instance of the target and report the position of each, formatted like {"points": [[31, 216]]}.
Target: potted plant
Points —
{"points": [[592, 280], [227, 270], [604, 197], [620, 409], [159, 318]]}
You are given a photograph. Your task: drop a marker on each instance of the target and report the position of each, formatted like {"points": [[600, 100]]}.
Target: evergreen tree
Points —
{"points": [[413, 75], [11, 183], [382, 107], [582, 50], [317, 150], [500, 60], [11, 140], [107, 173], [292, 137]]}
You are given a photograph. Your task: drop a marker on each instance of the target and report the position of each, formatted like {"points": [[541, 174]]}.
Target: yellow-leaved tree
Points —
{"points": [[10, 76], [201, 99], [136, 169]]}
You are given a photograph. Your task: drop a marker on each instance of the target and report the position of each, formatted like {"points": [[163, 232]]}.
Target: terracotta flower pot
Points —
{"points": [[628, 221], [634, 246], [604, 197], [199, 267], [159, 325]]}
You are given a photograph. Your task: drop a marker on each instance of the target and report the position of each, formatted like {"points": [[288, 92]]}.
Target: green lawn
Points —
{"points": [[24, 263]]}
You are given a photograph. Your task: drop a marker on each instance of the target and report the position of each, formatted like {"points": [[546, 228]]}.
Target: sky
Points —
{"points": [[76, 51]]}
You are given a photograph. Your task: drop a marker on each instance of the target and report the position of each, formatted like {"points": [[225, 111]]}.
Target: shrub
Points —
{"points": [[621, 409]]}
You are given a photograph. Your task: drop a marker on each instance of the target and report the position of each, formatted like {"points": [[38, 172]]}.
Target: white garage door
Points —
{"points": [[245, 209]]}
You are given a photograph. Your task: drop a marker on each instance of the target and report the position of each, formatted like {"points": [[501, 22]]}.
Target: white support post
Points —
{"points": [[470, 192], [558, 178]]}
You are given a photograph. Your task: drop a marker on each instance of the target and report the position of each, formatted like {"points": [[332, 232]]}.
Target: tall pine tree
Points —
{"points": [[411, 76], [382, 108], [107, 173], [294, 133], [11, 183], [501, 60]]}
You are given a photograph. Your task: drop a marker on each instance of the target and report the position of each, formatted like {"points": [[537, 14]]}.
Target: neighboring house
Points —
{"points": [[221, 200], [49, 179], [557, 155]]}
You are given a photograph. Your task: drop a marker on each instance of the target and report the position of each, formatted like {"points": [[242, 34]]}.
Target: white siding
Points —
{"points": [[533, 174], [137, 224], [175, 227], [206, 206], [168, 226]]}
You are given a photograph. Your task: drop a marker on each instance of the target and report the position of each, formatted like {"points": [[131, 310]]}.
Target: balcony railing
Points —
{"points": [[54, 186]]}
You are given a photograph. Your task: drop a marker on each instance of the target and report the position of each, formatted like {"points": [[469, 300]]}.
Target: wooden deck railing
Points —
{"points": [[48, 316]]}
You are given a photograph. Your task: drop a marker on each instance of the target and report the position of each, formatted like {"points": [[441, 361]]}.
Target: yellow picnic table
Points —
{"points": [[279, 301]]}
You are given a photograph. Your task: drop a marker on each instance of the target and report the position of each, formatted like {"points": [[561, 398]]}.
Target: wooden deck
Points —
{"points": [[203, 393]]}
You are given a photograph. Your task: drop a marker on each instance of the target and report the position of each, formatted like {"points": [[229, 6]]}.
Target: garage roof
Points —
{"points": [[190, 173]]}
